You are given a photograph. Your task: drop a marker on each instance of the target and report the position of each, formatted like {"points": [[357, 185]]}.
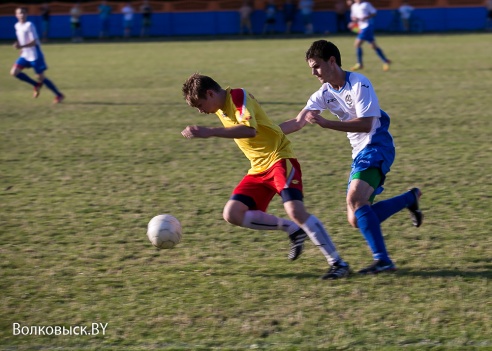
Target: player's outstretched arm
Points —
{"points": [[236, 132], [295, 124], [357, 125]]}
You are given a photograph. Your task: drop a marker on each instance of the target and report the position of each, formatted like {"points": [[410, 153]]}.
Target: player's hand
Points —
{"points": [[195, 132], [315, 119], [16, 45]]}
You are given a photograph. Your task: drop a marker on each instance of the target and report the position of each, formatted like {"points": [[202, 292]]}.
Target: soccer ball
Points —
{"points": [[354, 27], [164, 231]]}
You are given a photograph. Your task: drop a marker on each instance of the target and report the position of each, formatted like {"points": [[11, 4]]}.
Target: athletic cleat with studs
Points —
{"points": [[59, 99], [357, 67], [296, 244], [338, 270], [37, 89], [379, 266], [415, 213]]}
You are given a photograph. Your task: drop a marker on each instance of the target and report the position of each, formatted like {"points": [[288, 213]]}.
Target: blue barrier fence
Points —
{"points": [[227, 22]]}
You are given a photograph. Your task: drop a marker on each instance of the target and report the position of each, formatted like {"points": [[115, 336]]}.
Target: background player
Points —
{"points": [[362, 12], [31, 56], [351, 97], [274, 169]]}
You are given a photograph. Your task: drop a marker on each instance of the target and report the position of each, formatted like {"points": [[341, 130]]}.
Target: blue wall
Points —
{"points": [[217, 23]]}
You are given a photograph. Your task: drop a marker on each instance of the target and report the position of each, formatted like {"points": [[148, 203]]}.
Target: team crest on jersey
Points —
{"points": [[349, 101]]}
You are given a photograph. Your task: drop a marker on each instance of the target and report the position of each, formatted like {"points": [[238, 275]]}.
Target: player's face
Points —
{"points": [[21, 15], [321, 69], [208, 105]]}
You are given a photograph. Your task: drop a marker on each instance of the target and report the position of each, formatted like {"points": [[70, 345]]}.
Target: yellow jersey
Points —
{"points": [[269, 145]]}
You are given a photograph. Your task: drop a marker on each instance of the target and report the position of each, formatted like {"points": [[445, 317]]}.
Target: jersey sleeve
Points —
{"points": [[367, 103], [31, 33], [317, 101], [371, 9], [245, 110]]}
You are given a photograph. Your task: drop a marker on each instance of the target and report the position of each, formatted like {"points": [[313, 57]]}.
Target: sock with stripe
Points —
{"points": [[319, 236], [260, 220]]}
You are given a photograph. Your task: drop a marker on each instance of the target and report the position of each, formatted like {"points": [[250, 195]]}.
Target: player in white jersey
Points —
{"points": [[351, 97], [361, 14], [31, 56]]}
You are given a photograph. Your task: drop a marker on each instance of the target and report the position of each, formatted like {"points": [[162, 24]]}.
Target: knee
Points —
{"points": [[296, 211], [352, 219], [232, 215], [14, 71], [228, 215]]}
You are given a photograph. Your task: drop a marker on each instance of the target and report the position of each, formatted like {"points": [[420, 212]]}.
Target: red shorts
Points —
{"points": [[283, 178]]}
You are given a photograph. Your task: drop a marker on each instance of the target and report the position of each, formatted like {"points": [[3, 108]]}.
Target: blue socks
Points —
{"points": [[25, 78], [359, 55], [49, 84], [370, 227], [387, 208], [369, 219], [381, 54]]}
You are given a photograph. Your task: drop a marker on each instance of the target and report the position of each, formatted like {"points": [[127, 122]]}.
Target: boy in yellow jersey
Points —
{"points": [[274, 168]]}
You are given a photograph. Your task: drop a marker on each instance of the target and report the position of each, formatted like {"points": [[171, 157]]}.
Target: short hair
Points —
{"points": [[324, 49], [22, 8], [196, 87]]}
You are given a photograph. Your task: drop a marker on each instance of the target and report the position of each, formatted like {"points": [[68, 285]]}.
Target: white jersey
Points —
{"points": [[356, 99], [26, 33], [405, 11], [127, 13], [361, 11]]}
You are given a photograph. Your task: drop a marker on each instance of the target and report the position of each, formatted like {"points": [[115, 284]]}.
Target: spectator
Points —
{"points": [[245, 12], [104, 15], [405, 11], [341, 11], [127, 12], [146, 11], [488, 25], [271, 17], [75, 14], [306, 7], [45, 21], [290, 10]]}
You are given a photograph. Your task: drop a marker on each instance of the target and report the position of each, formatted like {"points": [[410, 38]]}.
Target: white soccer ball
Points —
{"points": [[164, 231]]}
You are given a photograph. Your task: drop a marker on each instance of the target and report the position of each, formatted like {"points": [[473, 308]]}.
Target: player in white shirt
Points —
{"points": [[31, 56], [405, 11], [362, 13], [351, 98], [127, 12]]}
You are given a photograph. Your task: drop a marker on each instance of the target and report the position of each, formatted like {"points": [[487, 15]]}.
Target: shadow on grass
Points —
{"points": [[483, 272]]}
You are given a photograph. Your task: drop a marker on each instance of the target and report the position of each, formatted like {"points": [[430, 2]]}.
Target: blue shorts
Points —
{"points": [[367, 34], [39, 66], [373, 156]]}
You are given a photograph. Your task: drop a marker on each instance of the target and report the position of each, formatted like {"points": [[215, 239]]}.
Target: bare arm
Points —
{"points": [[357, 125], [236, 132], [28, 45], [293, 125]]}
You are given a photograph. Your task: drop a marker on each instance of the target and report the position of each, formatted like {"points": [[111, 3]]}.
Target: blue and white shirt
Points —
{"points": [[356, 99], [362, 10], [26, 32]]}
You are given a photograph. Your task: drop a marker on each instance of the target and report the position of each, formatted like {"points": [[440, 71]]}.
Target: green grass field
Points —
{"points": [[79, 182]]}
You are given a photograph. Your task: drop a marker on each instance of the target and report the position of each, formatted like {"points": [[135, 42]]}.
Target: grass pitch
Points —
{"points": [[79, 182]]}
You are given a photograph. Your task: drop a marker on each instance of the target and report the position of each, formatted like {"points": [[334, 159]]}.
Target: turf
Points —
{"points": [[79, 181]]}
